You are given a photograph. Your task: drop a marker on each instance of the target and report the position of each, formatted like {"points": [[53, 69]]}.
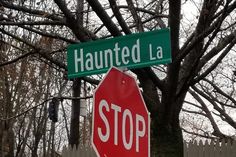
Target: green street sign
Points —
{"points": [[130, 51]]}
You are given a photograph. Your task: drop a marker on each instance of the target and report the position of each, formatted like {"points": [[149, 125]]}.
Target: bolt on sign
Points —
{"points": [[130, 51], [121, 122]]}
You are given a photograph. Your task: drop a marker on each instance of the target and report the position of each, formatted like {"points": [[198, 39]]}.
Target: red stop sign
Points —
{"points": [[120, 118]]}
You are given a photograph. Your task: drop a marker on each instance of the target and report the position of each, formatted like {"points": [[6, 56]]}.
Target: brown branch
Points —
{"points": [[100, 27], [32, 23], [197, 134], [17, 58], [17, 38], [11, 45], [206, 15], [154, 14], [146, 11], [102, 14], [46, 54], [216, 63], [51, 35], [199, 37], [133, 25], [193, 104], [26, 111], [37, 49], [208, 96], [230, 8], [214, 51], [41, 13], [80, 32], [90, 80], [217, 29], [194, 112], [221, 91], [44, 103], [159, 83], [119, 17], [199, 64], [208, 113], [137, 19]]}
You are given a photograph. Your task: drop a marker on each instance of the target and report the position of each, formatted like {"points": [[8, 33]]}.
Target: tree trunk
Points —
{"points": [[166, 134], [167, 138], [167, 142]]}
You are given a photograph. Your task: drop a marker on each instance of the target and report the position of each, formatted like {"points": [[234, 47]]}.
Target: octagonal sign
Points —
{"points": [[121, 123]]}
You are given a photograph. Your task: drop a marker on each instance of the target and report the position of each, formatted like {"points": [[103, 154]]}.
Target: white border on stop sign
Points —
{"points": [[121, 69]]}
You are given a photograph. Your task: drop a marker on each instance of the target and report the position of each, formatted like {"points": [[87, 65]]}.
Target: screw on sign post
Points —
{"points": [[121, 123]]}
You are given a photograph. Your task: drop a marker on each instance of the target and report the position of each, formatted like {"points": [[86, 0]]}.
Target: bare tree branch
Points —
{"points": [[32, 23], [146, 11], [228, 119], [223, 42], [81, 33], [199, 135], [37, 49], [199, 37], [137, 19], [119, 17], [214, 65], [101, 13], [217, 131], [40, 13], [51, 35], [194, 112], [220, 91], [17, 58]]}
